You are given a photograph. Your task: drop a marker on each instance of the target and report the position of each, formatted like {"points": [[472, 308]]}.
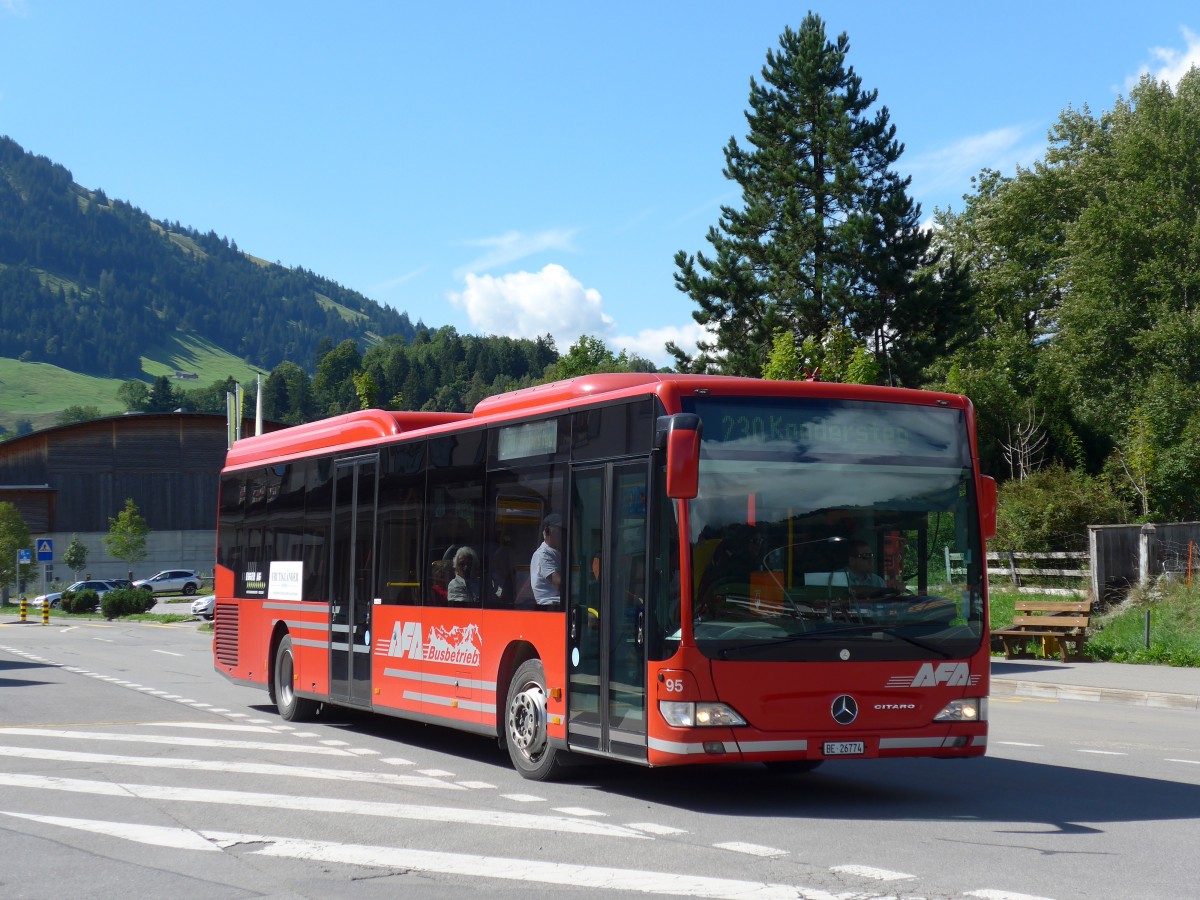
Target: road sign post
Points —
{"points": [[45, 555]]}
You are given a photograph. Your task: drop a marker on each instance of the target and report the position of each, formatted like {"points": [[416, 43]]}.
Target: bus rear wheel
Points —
{"points": [[291, 708], [525, 724]]}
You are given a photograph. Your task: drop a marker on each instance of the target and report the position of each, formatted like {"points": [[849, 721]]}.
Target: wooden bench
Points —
{"points": [[1060, 627]]}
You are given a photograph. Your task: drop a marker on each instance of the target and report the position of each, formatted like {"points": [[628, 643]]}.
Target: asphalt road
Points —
{"points": [[131, 769]]}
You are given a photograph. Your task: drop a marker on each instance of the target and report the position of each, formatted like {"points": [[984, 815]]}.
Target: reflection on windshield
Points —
{"points": [[881, 551]]}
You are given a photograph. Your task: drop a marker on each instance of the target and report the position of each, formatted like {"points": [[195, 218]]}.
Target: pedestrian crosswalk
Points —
{"points": [[218, 783]]}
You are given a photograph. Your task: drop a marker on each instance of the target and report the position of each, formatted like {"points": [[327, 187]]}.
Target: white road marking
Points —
{"points": [[872, 872], [1016, 744], [459, 864], [1190, 762], [216, 726], [166, 652], [1104, 752], [436, 773], [751, 849], [333, 805], [578, 811], [176, 838], [523, 798], [176, 740], [476, 785], [397, 761], [653, 828], [334, 742], [156, 762], [1002, 895]]}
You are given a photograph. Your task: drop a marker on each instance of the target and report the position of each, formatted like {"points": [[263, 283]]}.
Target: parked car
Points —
{"points": [[119, 582], [55, 599], [203, 606], [171, 581]]}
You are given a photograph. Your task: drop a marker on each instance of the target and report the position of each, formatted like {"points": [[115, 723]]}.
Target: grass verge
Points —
{"points": [[1119, 633], [34, 615]]}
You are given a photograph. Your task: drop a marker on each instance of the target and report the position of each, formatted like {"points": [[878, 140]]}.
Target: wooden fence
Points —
{"points": [[1032, 573]]}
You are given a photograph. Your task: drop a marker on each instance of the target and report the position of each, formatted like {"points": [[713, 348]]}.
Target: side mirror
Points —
{"points": [[989, 503], [679, 435]]}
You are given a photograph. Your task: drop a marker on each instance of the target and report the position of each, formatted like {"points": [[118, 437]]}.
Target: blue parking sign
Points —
{"points": [[45, 550], [24, 556]]}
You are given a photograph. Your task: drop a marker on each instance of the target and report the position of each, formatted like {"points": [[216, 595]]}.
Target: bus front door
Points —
{"points": [[353, 541], [606, 621]]}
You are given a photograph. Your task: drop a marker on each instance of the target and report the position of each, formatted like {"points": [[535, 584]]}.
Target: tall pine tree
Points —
{"points": [[827, 237]]}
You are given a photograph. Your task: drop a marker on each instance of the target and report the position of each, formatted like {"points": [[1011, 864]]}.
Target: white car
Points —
{"points": [[171, 581], [55, 599], [203, 606]]}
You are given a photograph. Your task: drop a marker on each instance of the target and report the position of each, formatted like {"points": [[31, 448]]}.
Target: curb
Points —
{"points": [[1008, 687]]}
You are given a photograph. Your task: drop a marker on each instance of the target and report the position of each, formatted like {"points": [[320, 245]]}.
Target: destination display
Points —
{"points": [[818, 429]]}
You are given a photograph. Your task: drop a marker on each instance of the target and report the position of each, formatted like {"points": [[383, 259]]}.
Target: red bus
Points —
{"points": [[661, 569]]}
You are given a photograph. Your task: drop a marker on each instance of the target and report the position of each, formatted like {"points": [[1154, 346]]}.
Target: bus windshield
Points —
{"points": [[834, 529]]}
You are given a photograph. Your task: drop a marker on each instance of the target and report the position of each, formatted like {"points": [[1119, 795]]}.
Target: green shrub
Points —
{"points": [[1052, 509], [79, 602], [124, 602]]}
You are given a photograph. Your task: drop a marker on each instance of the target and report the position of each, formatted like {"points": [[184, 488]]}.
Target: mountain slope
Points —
{"points": [[94, 285]]}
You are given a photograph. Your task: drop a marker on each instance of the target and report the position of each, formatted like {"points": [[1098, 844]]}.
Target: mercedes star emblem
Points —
{"points": [[844, 709]]}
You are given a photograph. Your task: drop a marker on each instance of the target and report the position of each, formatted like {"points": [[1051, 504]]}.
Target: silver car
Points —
{"points": [[55, 599], [203, 606], [171, 581]]}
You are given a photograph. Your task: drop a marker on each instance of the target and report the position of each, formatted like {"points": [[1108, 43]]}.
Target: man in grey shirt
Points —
{"points": [[545, 567]]}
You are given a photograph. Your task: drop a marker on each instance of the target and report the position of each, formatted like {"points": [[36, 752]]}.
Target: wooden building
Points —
{"points": [[73, 478]]}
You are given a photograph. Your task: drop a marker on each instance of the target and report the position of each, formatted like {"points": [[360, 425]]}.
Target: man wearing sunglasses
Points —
{"points": [[860, 567]]}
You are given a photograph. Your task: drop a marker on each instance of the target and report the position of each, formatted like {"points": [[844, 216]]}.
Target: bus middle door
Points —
{"points": [[607, 619], [353, 543]]}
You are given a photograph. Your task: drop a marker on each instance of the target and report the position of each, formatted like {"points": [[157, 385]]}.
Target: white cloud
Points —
{"points": [[528, 304], [513, 246], [385, 286], [650, 342], [952, 168], [1170, 64]]}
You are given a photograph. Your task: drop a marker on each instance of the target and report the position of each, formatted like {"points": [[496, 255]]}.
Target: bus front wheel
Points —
{"points": [[291, 708], [525, 724]]}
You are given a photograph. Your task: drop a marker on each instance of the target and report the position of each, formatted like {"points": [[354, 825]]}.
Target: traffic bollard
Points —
{"points": [[22, 609]]}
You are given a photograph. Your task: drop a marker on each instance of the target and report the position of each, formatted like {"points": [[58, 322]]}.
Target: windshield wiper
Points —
{"points": [[889, 630]]}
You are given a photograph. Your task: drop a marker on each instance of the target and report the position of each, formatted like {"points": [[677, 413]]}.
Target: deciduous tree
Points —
{"points": [[127, 533]]}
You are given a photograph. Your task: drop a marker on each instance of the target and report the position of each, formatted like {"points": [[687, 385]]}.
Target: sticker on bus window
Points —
{"points": [[285, 580]]}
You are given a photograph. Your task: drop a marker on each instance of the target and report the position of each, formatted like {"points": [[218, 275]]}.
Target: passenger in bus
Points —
{"points": [[545, 566], [464, 586]]}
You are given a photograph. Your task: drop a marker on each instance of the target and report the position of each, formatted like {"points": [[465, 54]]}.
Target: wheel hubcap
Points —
{"points": [[527, 721], [285, 680]]}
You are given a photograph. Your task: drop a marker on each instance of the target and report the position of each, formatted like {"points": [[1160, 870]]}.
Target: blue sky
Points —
{"points": [[522, 168]]}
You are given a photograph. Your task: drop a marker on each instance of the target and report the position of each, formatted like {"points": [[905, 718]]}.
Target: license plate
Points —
{"points": [[844, 748]]}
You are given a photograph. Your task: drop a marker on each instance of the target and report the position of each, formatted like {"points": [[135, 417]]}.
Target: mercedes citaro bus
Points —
{"points": [[662, 569]]}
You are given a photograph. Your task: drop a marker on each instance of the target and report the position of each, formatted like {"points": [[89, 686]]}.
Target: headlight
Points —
{"points": [[969, 709], [689, 715]]}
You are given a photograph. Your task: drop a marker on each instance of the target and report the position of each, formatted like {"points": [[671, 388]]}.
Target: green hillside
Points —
{"points": [[39, 391], [88, 283]]}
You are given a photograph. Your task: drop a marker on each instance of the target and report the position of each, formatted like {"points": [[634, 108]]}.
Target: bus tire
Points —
{"points": [[291, 708], [525, 724], [792, 766]]}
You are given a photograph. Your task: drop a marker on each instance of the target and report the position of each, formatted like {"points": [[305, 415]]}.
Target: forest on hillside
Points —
{"points": [[89, 283]]}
